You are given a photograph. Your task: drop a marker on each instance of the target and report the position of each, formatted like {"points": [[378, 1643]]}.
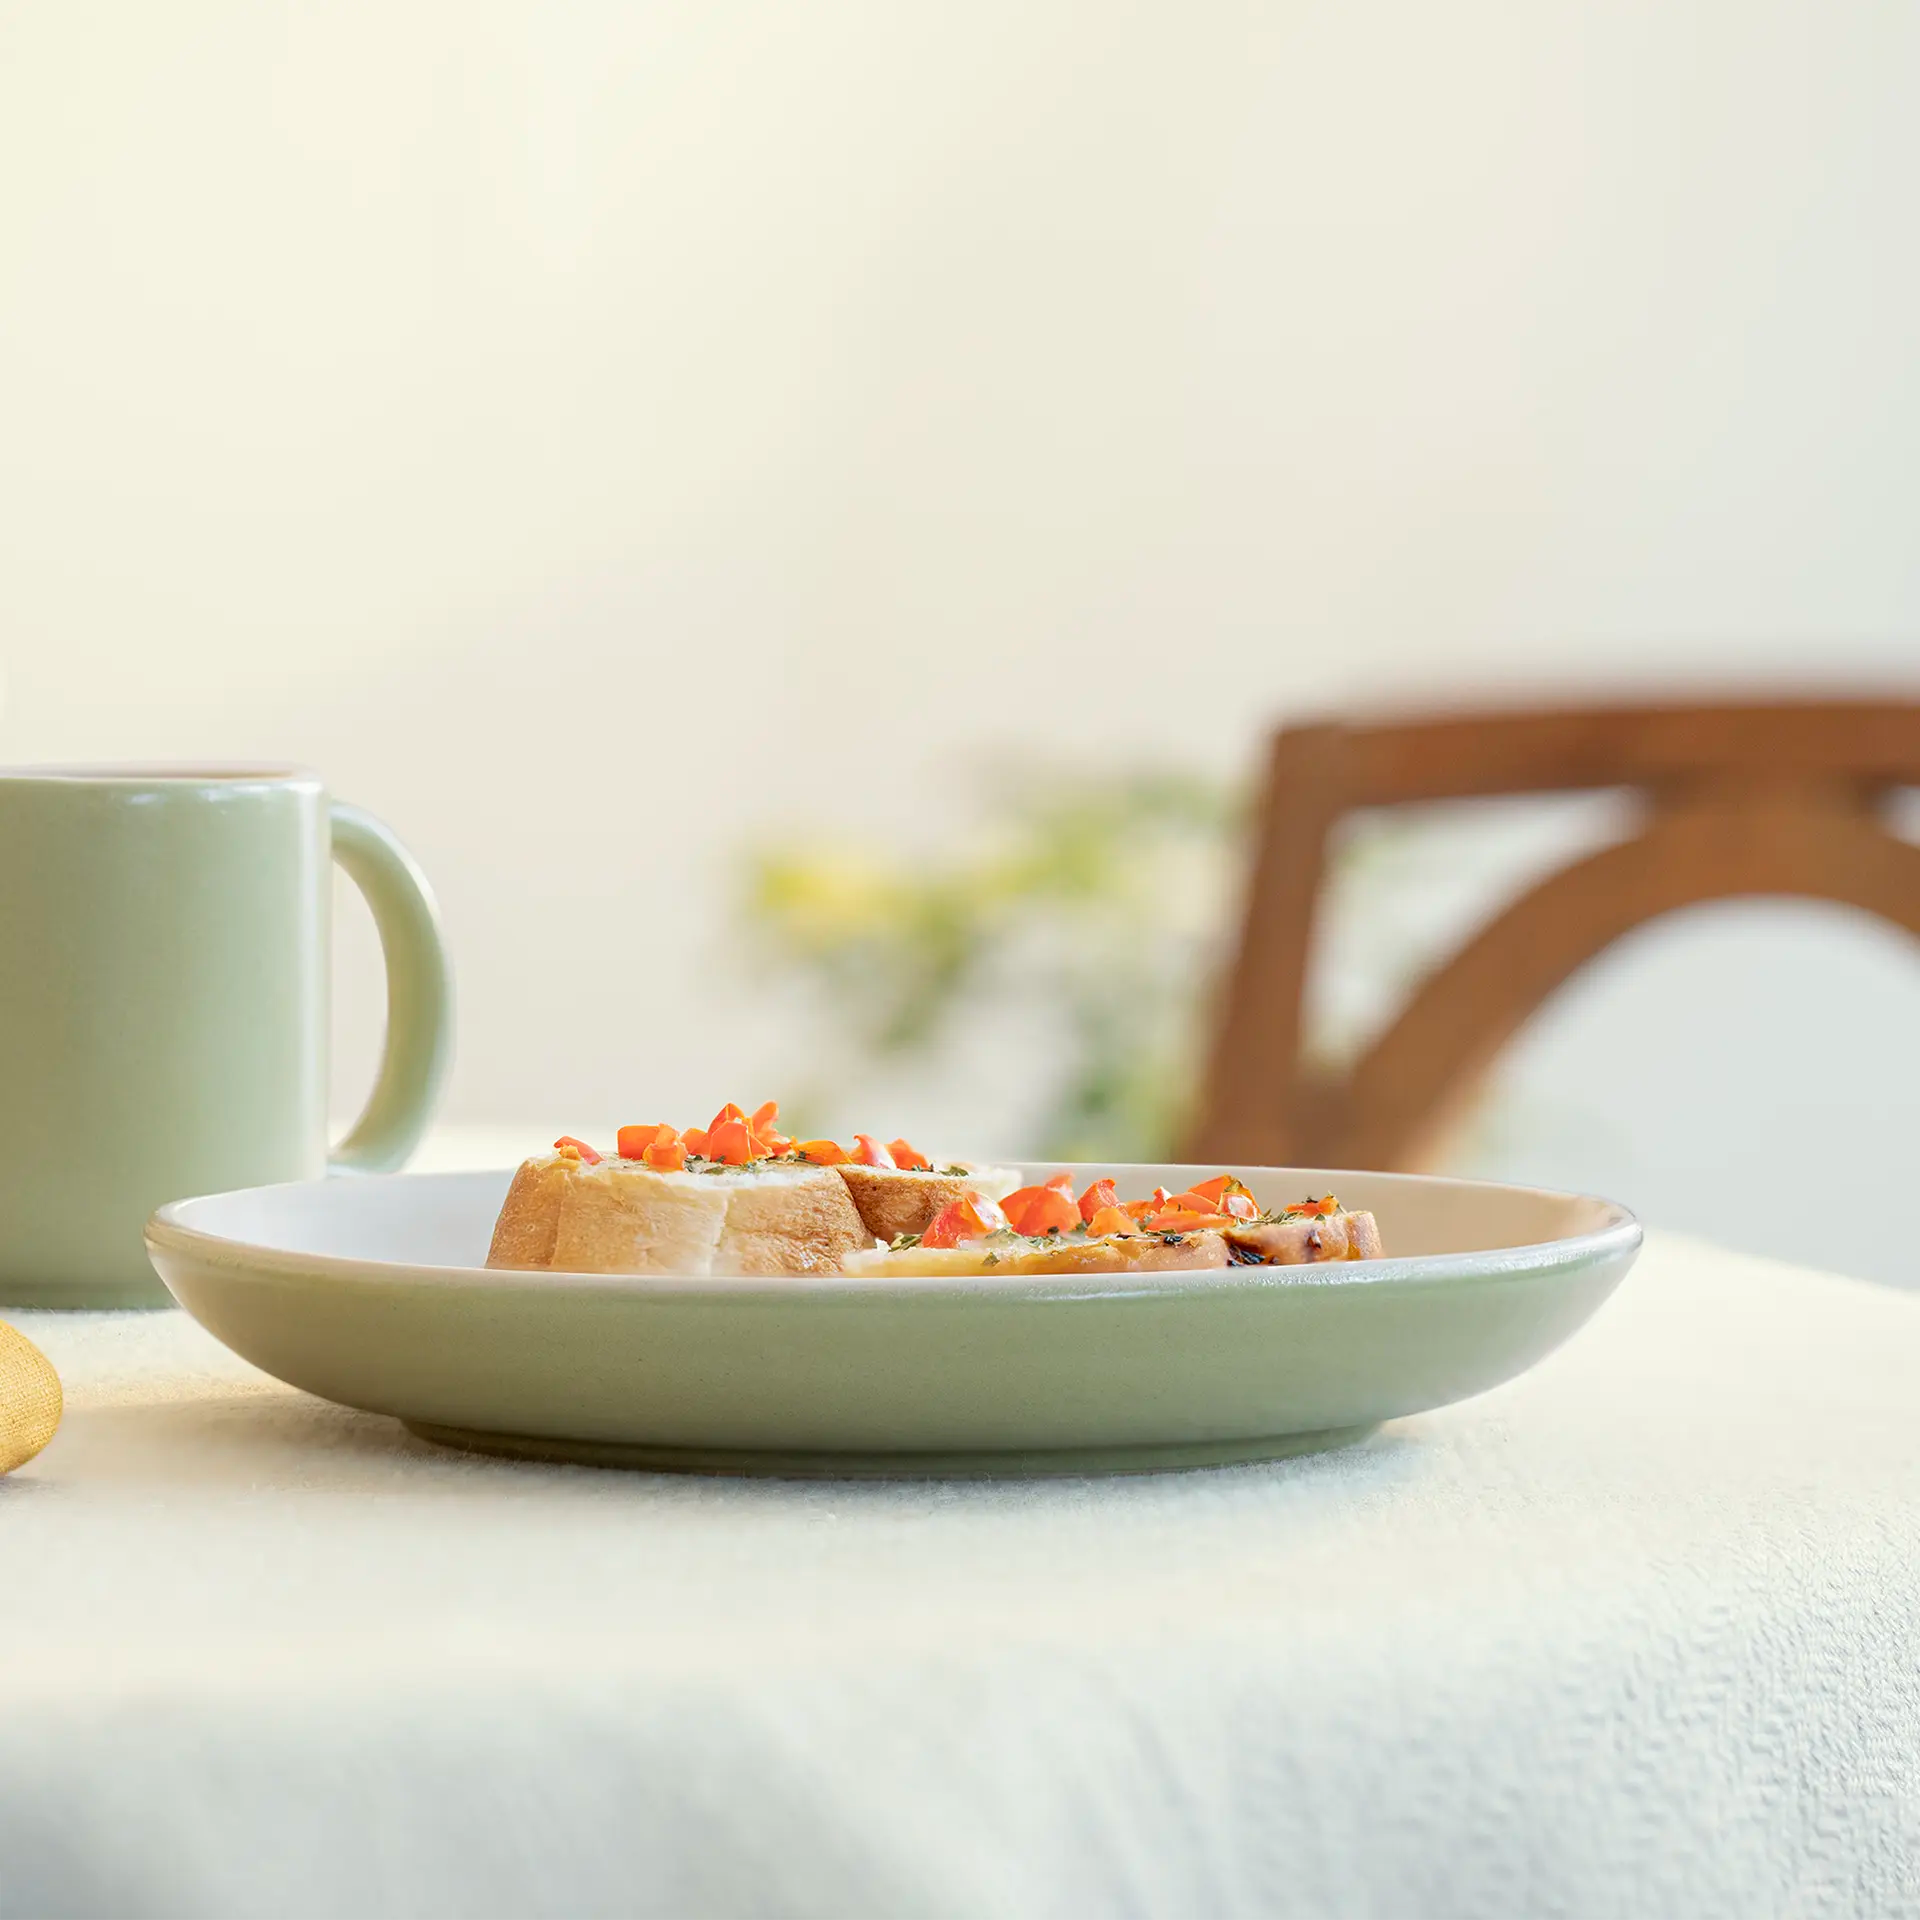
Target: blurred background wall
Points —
{"points": [[601, 437]]}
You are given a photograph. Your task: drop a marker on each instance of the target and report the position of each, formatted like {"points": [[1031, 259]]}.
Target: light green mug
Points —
{"points": [[165, 947]]}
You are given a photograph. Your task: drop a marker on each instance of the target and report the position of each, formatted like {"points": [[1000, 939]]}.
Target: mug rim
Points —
{"points": [[160, 773]]}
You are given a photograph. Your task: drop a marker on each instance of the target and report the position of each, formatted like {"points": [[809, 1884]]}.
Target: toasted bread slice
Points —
{"points": [[785, 1220], [1306, 1241], [897, 1200], [1011, 1253], [620, 1219], [618, 1216]]}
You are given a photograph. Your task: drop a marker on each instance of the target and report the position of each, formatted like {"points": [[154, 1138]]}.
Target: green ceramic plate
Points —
{"points": [[369, 1291]]}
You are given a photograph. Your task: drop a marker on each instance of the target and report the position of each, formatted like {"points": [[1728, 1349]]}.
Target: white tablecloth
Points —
{"points": [[1637, 1635]]}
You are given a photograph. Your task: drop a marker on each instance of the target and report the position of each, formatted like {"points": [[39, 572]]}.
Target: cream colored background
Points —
{"points": [[594, 433]]}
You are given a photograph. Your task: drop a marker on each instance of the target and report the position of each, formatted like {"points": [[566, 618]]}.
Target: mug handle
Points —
{"points": [[419, 1046]]}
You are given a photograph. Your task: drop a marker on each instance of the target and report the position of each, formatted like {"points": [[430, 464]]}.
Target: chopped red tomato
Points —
{"points": [[971, 1217], [1141, 1208], [1320, 1208], [695, 1140], [1243, 1206], [632, 1142], [868, 1152], [1211, 1189], [824, 1153], [1110, 1220], [726, 1113], [764, 1117], [1064, 1181], [731, 1141], [1036, 1210], [1102, 1193], [909, 1156], [665, 1156], [576, 1150]]}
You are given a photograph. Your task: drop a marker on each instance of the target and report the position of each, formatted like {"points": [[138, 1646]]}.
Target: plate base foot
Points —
{"points": [[1031, 1463]]}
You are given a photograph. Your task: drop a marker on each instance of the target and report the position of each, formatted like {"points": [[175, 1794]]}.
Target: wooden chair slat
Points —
{"points": [[1759, 799]]}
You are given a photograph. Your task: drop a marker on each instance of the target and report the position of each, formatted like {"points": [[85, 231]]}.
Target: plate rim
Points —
{"points": [[1621, 1233]]}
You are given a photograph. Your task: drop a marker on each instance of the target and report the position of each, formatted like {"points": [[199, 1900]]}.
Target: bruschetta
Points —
{"points": [[1044, 1230], [734, 1197], [738, 1196]]}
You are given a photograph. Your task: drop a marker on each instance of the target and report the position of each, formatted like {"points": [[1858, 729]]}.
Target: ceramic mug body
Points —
{"points": [[165, 942]]}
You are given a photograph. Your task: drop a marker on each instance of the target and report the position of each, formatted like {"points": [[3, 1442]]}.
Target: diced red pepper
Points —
{"points": [[1218, 1196], [1179, 1219], [576, 1150], [731, 1141], [909, 1156], [1102, 1193], [632, 1142], [971, 1217], [1037, 1210], [824, 1153], [868, 1152]]}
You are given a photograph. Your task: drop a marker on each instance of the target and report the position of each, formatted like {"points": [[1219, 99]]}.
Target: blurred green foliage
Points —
{"points": [[1091, 908]]}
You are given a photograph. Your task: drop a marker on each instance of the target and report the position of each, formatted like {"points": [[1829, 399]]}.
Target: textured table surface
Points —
{"points": [[1637, 1634]]}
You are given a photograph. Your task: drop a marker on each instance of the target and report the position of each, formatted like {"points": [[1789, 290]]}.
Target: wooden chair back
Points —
{"points": [[1757, 799]]}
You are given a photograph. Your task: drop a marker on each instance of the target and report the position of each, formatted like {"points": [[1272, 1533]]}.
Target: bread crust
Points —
{"points": [[524, 1234], [896, 1200]]}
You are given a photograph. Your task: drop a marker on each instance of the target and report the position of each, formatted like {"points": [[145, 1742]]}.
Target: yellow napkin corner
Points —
{"points": [[30, 1399]]}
